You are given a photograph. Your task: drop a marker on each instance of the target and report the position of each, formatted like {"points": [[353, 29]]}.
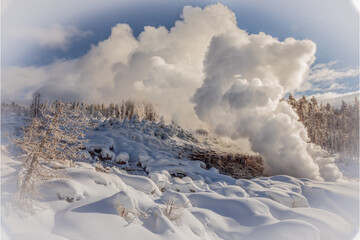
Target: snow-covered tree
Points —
{"points": [[150, 113], [36, 105], [130, 108], [49, 143], [292, 101], [336, 130]]}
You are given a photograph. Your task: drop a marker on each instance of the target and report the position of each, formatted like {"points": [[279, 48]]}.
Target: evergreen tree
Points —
{"points": [[336, 130]]}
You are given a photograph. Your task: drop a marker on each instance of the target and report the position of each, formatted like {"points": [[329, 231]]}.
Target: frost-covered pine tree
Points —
{"points": [[336, 130], [50, 143]]}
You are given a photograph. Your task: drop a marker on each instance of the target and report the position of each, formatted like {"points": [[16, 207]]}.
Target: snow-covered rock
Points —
{"points": [[122, 158]]}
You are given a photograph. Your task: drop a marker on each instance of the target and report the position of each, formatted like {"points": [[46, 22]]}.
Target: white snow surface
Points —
{"points": [[211, 205]]}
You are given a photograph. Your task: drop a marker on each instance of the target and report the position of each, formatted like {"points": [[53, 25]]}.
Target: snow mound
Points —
{"points": [[90, 203], [68, 190], [102, 199], [122, 158], [140, 183]]}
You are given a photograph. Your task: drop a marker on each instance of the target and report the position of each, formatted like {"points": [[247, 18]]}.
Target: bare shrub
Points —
{"points": [[100, 168], [129, 214], [173, 211]]}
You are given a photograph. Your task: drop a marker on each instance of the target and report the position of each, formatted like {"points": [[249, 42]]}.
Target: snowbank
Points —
{"points": [[102, 199]]}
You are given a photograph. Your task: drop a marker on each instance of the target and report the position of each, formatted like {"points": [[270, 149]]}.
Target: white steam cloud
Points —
{"points": [[205, 69], [55, 36], [250, 106]]}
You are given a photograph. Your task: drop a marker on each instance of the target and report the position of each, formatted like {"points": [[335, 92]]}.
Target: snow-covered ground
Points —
{"points": [[106, 202]]}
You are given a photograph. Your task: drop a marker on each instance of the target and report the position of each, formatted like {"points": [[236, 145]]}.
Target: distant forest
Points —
{"points": [[335, 130], [126, 109]]}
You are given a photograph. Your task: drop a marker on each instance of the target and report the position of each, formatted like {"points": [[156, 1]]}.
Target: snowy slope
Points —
{"points": [[211, 205]]}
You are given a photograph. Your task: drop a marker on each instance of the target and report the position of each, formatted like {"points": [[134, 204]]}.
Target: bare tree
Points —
{"points": [[50, 142], [36, 105]]}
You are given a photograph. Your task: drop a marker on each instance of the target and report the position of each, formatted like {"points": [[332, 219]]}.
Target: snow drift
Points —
{"points": [[97, 204]]}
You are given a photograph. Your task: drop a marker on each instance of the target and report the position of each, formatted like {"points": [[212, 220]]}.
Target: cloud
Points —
{"points": [[55, 36], [203, 71], [163, 66], [324, 72], [18, 83], [335, 99], [325, 77]]}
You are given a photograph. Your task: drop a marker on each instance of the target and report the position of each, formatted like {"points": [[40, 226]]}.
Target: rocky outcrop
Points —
{"points": [[235, 165]]}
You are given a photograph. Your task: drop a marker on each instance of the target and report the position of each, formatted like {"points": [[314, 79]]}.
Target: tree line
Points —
{"points": [[125, 109], [334, 129]]}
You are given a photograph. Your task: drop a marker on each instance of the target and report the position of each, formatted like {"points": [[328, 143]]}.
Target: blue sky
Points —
{"points": [[332, 24]]}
